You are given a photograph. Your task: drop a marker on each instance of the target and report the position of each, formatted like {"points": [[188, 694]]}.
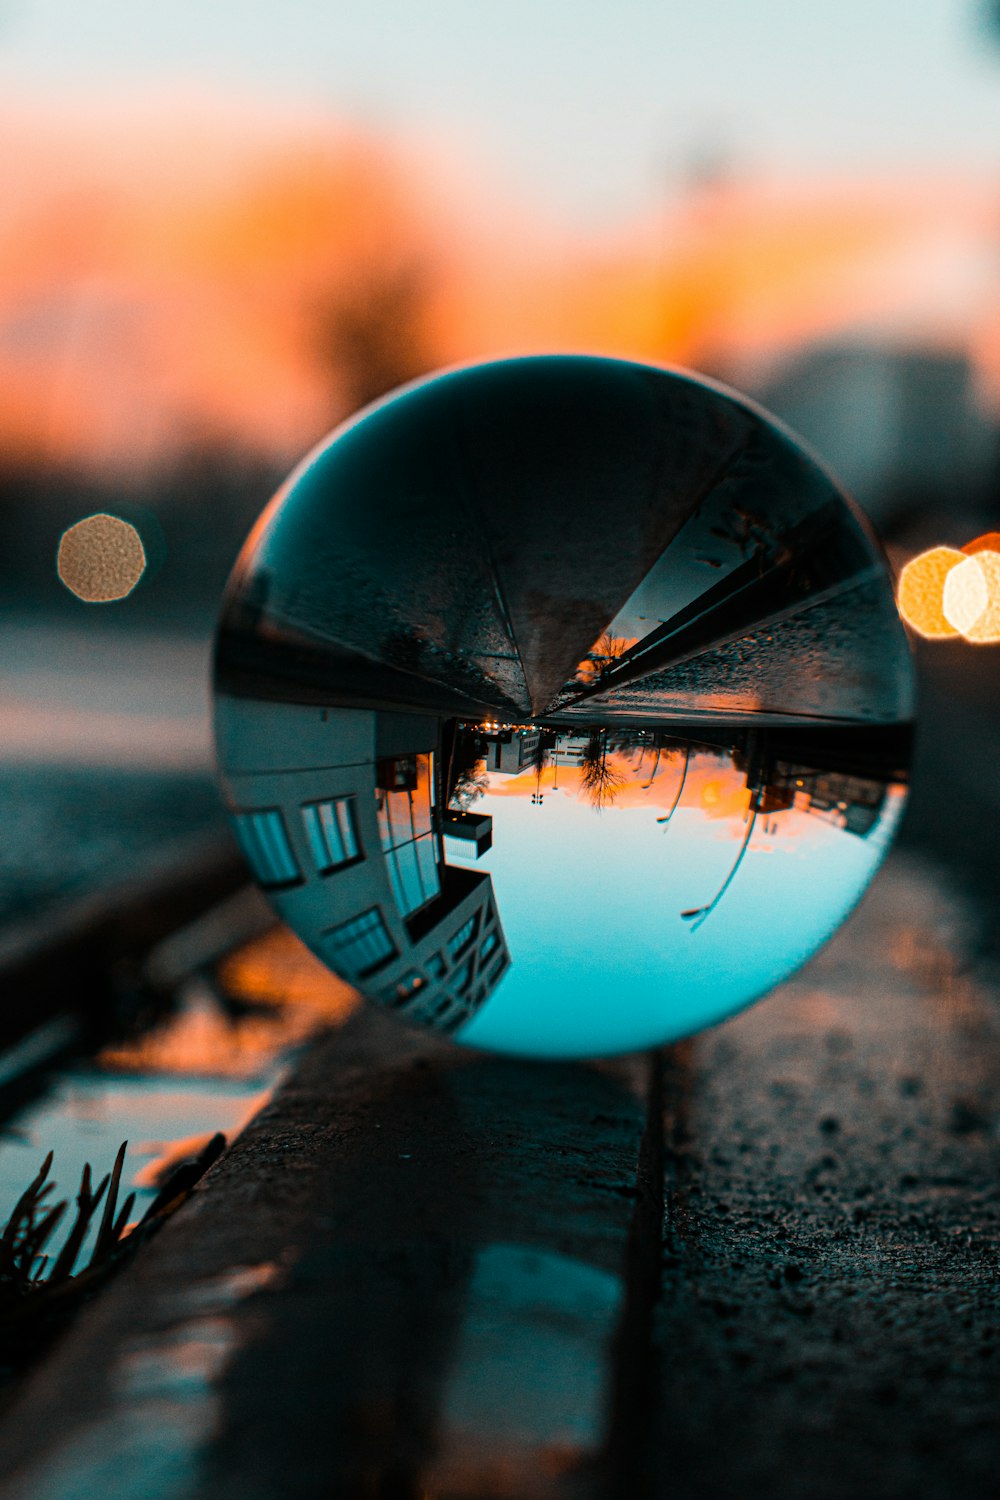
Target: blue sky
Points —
{"points": [[592, 108], [590, 904]]}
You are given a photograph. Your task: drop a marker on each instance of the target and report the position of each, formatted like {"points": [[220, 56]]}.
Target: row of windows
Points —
{"points": [[360, 946], [414, 874], [332, 835], [363, 944], [331, 832], [463, 975]]}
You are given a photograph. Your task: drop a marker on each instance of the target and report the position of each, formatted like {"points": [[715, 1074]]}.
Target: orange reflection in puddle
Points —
{"points": [[201, 1040], [211, 1065], [167, 1155], [277, 969], [288, 996], [207, 1067]]}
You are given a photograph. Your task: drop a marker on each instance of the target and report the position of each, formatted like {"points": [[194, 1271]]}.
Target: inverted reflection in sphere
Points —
{"points": [[562, 704]]}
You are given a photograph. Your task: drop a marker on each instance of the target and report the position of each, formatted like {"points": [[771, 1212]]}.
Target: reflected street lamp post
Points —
{"points": [[698, 914], [676, 802]]}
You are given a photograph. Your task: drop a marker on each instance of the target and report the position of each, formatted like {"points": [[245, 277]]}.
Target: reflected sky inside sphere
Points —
{"points": [[562, 704], [622, 966]]}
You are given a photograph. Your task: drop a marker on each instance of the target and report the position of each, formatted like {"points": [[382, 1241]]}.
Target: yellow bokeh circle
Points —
{"points": [[921, 592], [101, 558]]}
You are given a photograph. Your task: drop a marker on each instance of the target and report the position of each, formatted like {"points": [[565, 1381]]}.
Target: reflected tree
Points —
{"points": [[537, 759], [465, 776], [604, 654], [471, 783], [600, 779]]}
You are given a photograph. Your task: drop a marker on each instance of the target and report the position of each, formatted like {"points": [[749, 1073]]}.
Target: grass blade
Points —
{"points": [[24, 1207], [106, 1234], [86, 1204]]}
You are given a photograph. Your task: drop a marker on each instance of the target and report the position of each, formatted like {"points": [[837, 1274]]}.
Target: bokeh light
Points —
{"points": [[972, 597], [101, 558], [965, 595], [988, 542], [945, 592], [921, 592]]}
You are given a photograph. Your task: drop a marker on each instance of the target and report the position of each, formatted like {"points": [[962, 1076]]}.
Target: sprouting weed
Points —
{"points": [[38, 1287]]}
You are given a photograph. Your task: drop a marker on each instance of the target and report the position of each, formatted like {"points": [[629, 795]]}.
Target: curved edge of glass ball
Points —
{"points": [[450, 557]]}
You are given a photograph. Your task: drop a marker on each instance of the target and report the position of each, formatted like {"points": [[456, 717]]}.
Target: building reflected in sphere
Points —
{"points": [[562, 704]]}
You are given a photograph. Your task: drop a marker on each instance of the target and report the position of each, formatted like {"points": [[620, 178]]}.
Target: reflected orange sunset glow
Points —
{"points": [[714, 788]]}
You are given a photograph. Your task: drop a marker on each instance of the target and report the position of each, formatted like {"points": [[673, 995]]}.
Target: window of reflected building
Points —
{"points": [[331, 829], [360, 946], [404, 801], [264, 840]]}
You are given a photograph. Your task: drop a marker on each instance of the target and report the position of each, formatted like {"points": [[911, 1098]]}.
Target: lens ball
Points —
{"points": [[562, 704]]}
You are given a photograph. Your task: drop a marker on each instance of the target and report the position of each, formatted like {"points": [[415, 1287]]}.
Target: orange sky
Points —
{"points": [[166, 277], [711, 784]]}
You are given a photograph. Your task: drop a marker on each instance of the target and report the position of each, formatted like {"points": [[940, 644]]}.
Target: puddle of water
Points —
{"points": [[527, 1384], [87, 1113], [205, 1068]]}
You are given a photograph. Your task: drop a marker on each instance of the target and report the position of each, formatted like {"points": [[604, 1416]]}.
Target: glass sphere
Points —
{"points": [[562, 704]]}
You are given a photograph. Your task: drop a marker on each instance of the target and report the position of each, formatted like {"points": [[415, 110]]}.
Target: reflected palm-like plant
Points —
{"points": [[537, 759], [465, 775], [471, 783], [656, 766]]}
